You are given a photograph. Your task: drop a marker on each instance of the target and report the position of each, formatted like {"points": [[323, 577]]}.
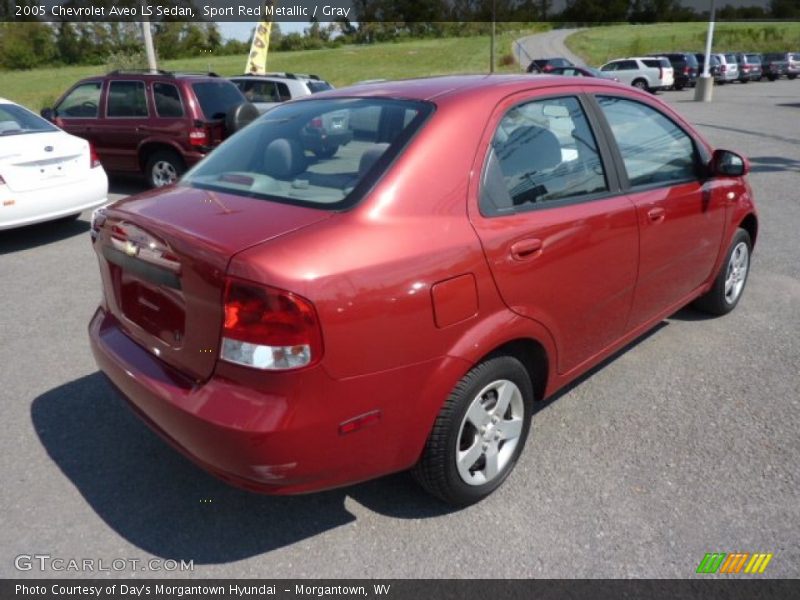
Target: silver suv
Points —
{"points": [[728, 67], [325, 135]]}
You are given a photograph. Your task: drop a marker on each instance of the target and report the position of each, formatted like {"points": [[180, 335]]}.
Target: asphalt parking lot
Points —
{"points": [[685, 443]]}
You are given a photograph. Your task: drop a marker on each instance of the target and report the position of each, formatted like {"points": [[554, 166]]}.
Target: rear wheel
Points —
{"points": [[479, 433], [326, 152], [640, 84], [164, 167], [729, 284], [793, 76]]}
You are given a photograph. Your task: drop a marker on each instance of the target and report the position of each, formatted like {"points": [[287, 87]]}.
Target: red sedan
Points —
{"points": [[294, 322]]}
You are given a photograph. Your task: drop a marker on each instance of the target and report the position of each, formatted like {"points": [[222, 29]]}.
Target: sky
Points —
{"points": [[241, 31]]}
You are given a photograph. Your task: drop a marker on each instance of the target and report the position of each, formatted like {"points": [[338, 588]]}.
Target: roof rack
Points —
{"points": [[140, 71], [284, 75], [162, 72]]}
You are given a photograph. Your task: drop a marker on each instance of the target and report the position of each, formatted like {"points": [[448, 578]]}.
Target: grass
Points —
{"points": [[341, 66], [598, 45]]}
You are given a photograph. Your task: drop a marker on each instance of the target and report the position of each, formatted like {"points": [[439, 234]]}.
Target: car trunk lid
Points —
{"points": [[164, 256], [30, 161]]}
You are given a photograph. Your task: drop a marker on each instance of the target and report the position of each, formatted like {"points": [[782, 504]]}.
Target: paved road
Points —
{"points": [[685, 443], [545, 45]]}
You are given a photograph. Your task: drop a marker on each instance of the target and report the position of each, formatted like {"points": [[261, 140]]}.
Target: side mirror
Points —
{"points": [[725, 163], [48, 113]]}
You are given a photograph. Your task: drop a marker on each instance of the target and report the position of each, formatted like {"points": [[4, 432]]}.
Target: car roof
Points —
{"points": [[429, 88]]}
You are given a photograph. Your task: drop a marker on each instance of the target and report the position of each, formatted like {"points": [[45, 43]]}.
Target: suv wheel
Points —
{"points": [[640, 84], [479, 433], [164, 167]]}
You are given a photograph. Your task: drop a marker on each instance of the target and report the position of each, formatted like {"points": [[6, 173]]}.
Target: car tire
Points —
{"points": [[475, 442], [640, 84], [771, 77], [729, 283], [679, 87], [163, 168], [793, 76]]}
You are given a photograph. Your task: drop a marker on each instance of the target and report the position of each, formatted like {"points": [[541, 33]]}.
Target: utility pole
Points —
{"points": [[148, 43], [705, 83], [494, 34]]}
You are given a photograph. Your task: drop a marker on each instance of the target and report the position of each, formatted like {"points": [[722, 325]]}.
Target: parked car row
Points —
{"points": [[727, 67]]}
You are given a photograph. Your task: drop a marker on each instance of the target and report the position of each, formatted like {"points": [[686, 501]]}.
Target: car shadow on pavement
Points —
{"points": [[773, 164], [159, 501], [126, 185], [31, 236]]}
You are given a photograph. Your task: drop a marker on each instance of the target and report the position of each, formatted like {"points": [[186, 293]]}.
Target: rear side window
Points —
{"points": [[306, 153], [654, 149], [319, 86], [126, 99], [541, 152], [216, 98], [81, 103], [168, 100]]}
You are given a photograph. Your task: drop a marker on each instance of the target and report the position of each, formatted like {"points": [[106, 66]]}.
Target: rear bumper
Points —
{"points": [[18, 209], [278, 434]]}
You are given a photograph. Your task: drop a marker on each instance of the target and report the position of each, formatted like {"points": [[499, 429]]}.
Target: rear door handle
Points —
{"points": [[656, 214], [526, 249]]}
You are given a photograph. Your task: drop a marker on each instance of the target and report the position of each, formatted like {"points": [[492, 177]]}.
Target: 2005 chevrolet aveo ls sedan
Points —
{"points": [[294, 323]]}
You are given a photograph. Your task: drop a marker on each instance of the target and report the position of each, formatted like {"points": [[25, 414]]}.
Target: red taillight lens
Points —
{"points": [[198, 137], [94, 160], [723, 68], [268, 328], [685, 70], [316, 123]]}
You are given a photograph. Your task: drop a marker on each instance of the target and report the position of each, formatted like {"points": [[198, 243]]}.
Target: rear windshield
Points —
{"points": [[320, 153], [15, 120], [656, 62], [217, 97], [774, 56], [319, 86], [753, 58]]}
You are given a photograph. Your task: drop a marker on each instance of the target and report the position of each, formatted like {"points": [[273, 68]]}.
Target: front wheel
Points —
{"points": [[729, 284], [479, 433]]}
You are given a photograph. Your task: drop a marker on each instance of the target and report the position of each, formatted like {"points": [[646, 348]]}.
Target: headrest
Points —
{"points": [[284, 158], [529, 148]]}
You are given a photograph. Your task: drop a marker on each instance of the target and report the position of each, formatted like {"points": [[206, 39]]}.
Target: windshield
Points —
{"points": [[217, 97], [322, 153], [15, 120]]}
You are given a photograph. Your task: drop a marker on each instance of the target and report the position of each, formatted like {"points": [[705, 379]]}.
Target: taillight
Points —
{"points": [[685, 70], [316, 123], [267, 328], [723, 68], [198, 137], [94, 160], [661, 72]]}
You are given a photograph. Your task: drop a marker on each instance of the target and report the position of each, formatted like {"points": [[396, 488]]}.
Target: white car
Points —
{"points": [[645, 73], [45, 173]]}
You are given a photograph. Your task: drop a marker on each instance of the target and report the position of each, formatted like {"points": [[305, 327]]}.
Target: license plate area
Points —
{"points": [[159, 310]]}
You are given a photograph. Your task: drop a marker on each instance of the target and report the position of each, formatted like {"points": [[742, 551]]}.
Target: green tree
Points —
{"points": [[27, 45]]}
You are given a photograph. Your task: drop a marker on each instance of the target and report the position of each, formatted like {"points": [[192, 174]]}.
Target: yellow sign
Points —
{"points": [[257, 59]]}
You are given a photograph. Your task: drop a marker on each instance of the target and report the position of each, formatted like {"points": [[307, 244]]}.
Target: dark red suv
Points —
{"points": [[295, 322], [158, 124]]}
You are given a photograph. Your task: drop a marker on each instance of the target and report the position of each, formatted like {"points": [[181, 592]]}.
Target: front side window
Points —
{"points": [[81, 103], [542, 151], [654, 149], [126, 99], [305, 153]]}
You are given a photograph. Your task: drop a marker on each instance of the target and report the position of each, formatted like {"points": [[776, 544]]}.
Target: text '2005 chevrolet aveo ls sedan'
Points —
{"points": [[295, 323]]}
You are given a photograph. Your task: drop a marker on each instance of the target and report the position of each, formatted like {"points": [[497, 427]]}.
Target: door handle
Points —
{"points": [[656, 214], [526, 249]]}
